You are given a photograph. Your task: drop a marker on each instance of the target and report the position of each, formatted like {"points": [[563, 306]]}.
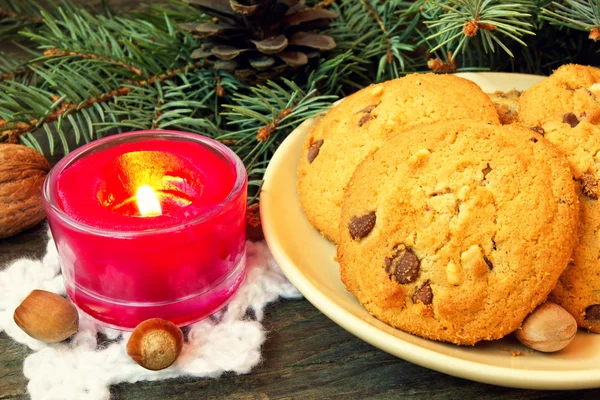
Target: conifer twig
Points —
{"points": [[15, 74], [377, 18], [576, 14], [24, 17], [59, 53], [456, 22], [265, 132], [16, 129], [442, 67]]}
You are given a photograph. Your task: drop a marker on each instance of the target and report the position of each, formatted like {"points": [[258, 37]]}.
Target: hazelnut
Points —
{"points": [[155, 344], [548, 328], [47, 317], [454, 273]]}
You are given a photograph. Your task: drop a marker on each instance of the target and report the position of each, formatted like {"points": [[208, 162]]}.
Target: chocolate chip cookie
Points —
{"points": [[571, 88], [577, 135], [456, 231], [362, 121], [507, 105]]}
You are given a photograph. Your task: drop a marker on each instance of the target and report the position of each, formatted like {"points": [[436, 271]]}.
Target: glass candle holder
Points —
{"points": [[121, 266]]}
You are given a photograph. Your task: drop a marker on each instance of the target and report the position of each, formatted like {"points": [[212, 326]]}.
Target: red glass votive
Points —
{"points": [[122, 267]]}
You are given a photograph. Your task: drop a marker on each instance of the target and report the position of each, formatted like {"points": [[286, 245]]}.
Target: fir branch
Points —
{"points": [[14, 74], [379, 36], [11, 69], [371, 10], [267, 131], [442, 66], [330, 76], [72, 99], [132, 42], [60, 53], [576, 14], [457, 22], [57, 110], [24, 14], [185, 103], [4, 13], [170, 74], [172, 10], [276, 108]]}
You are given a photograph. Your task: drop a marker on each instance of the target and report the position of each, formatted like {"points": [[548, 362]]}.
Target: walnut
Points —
{"points": [[22, 174]]}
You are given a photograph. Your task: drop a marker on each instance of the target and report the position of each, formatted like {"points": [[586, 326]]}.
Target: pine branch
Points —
{"points": [[134, 43], [16, 74], [172, 10], [377, 18], [11, 69], [331, 76], [380, 35], [188, 105], [4, 13], [23, 14], [456, 23], [576, 14], [60, 53], [263, 117], [72, 96]]}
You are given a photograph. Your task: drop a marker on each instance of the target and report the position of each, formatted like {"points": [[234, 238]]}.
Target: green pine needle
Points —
{"points": [[577, 14], [455, 23]]}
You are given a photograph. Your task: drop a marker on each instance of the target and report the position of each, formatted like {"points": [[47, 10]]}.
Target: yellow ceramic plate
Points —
{"points": [[307, 259]]}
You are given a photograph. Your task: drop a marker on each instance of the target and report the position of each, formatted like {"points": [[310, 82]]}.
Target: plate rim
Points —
{"points": [[428, 358]]}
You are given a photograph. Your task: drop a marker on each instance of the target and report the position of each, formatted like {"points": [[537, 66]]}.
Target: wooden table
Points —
{"points": [[306, 356]]}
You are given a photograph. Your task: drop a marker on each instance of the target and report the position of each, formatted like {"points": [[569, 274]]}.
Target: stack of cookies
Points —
{"points": [[457, 213]]}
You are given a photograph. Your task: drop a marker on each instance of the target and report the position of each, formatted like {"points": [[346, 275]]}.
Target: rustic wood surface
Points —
{"points": [[306, 356]]}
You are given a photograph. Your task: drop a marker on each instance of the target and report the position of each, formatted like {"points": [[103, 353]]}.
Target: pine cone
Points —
{"points": [[258, 40]]}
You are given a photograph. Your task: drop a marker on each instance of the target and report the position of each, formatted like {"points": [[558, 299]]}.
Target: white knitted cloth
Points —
{"points": [[84, 368]]}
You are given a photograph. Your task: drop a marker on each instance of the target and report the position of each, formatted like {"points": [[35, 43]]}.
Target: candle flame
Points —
{"points": [[147, 202]]}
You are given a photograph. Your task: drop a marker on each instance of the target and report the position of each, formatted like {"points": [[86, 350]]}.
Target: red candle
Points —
{"points": [[149, 224]]}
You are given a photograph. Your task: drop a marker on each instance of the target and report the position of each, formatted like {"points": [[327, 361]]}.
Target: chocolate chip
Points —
{"points": [[489, 263], [423, 294], [364, 119], [538, 129], [593, 312], [359, 227], [486, 170], [589, 186], [570, 119], [534, 140], [313, 152], [402, 267], [368, 109], [591, 94]]}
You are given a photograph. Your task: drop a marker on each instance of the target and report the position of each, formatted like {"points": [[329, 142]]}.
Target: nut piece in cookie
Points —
{"points": [[507, 105]]}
